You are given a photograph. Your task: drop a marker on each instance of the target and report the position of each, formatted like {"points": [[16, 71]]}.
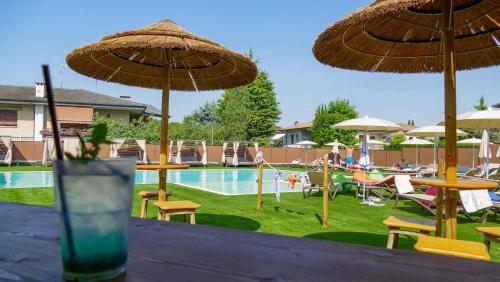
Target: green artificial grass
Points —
{"points": [[348, 221], [25, 168]]}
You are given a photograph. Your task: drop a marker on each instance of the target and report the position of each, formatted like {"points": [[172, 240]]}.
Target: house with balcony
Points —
{"points": [[290, 135], [24, 113]]}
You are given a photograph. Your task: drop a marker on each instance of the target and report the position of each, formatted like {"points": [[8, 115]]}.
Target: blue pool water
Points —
{"points": [[221, 181]]}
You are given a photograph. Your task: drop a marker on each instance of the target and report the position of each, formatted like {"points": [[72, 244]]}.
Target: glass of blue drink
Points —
{"points": [[94, 200]]}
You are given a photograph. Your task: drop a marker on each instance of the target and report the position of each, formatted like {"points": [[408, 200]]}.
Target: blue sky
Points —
{"points": [[280, 32]]}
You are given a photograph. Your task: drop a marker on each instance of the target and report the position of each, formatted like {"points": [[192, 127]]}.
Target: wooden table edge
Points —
{"points": [[459, 185], [162, 167]]}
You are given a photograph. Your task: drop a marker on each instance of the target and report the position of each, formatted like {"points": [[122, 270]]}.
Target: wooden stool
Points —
{"points": [[452, 247], [490, 234], [145, 197], [395, 224], [168, 208]]}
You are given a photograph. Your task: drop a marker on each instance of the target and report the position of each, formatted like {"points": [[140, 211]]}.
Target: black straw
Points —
{"points": [[55, 133], [52, 110]]}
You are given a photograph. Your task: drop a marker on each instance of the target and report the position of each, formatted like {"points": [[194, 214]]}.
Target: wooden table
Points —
{"points": [[450, 210], [163, 194], [162, 167], [168, 208], [170, 251]]}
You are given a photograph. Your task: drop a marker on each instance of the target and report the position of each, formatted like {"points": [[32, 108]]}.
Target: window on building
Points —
{"points": [[8, 118], [291, 139]]}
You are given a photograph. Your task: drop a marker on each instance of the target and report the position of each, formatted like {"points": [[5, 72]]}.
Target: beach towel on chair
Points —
{"points": [[292, 179], [304, 180], [474, 200], [403, 184], [277, 177]]}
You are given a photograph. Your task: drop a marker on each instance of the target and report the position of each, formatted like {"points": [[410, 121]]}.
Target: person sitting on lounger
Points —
{"points": [[402, 164]]}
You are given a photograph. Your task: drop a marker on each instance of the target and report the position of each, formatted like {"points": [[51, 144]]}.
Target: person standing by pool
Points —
{"points": [[348, 156]]}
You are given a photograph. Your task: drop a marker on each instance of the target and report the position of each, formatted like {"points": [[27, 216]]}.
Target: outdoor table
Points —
{"points": [[451, 197], [170, 251], [162, 167], [169, 208]]}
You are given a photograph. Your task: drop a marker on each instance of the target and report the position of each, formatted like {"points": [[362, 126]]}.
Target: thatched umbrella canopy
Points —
{"points": [[404, 36], [411, 36], [163, 56]]}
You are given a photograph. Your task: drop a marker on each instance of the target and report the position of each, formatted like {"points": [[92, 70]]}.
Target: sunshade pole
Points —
{"points": [[473, 157], [164, 123], [435, 153], [326, 185], [448, 25], [439, 201]]}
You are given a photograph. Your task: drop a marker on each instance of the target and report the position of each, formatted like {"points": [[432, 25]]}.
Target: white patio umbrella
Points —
{"points": [[471, 141], [364, 156], [367, 124], [335, 146], [372, 144], [416, 142], [485, 151], [479, 119], [435, 131], [486, 119], [306, 144]]}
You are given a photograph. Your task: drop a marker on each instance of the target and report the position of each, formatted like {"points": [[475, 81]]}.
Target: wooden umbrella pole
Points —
{"points": [[448, 25], [439, 201], [325, 191], [260, 167], [164, 124]]}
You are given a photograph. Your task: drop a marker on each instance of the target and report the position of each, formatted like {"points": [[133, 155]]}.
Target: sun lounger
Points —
{"points": [[297, 163], [364, 181], [405, 190], [316, 183], [495, 208], [426, 200], [479, 173]]}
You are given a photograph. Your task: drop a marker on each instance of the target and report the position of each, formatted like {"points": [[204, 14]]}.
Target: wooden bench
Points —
{"points": [[490, 234], [395, 224], [452, 247], [145, 197], [169, 208]]}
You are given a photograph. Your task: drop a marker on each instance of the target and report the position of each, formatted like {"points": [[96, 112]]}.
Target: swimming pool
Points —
{"points": [[221, 181]]}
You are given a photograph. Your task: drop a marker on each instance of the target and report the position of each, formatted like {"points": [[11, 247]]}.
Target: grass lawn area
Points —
{"points": [[348, 220]]}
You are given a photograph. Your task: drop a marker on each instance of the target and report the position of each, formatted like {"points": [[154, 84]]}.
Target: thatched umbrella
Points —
{"points": [[412, 36], [163, 56]]}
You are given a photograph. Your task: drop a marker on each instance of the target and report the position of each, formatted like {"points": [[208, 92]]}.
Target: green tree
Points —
{"points": [[396, 139], [482, 106], [328, 115], [205, 114], [413, 122], [233, 111], [263, 110], [141, 128]]}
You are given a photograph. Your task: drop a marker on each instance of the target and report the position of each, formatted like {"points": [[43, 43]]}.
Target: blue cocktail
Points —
{"points": [[94, 199]]}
